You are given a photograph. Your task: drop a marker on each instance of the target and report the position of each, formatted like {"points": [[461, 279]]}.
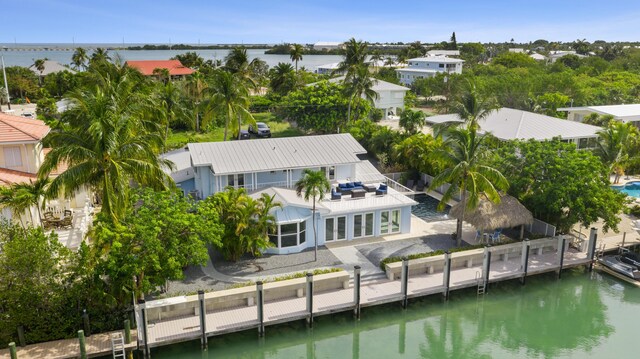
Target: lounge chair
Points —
{"points": [[410, 184], [335, 195], [495, 237], [420, 186], [382, 190]]}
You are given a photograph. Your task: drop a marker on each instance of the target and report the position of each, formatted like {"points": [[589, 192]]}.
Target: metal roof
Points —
{"points": [[414, 69], [619, 111], [50, 67], [378, 85], [438, 59], [276, 153], [510, 124]]}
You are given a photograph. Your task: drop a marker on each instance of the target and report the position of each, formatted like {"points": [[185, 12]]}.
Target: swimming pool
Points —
{"points": [[426, 209], [630, 189]]}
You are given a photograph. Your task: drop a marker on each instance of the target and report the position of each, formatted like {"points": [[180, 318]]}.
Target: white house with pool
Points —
{"points": [[362, 202]]}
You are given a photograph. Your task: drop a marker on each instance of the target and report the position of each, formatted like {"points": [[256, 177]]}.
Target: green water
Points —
{"points": [[582, 315]]}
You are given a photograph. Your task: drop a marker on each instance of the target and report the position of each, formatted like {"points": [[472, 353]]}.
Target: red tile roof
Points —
{"points": [[146, 67], [19, 129], [9, 177]]}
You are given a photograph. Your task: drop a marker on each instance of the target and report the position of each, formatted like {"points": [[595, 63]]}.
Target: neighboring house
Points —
{"points": [[50, 67], [182, 173], [443, 53], [423, 67], [623, 113], [518, 50], [21, 155], [509, 124], [274, 165], [390, 96], [555, 55], [536, 56], [327, 45], [175, 68], [327, 69]]}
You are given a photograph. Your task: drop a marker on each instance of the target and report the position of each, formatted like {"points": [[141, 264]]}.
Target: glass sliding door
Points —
{"points": [[395, 221], [390, 221], [384, 222], [335, 229], [357, 225], [329, 229], [363, 225], [368, 224], [342, 228]]}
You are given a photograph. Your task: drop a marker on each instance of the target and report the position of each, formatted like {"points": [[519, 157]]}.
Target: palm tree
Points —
{"points": [[229, 97], [21, 197], [359, 84], [463, 156], [314, 184], [39, 65], [412, 121], [193, 88], [265, 221], [355, 57], [472, 106], [295, 52], [282, 79], [80, 58], [613, 143], [107, 141], [100, 55], [376, 57]]}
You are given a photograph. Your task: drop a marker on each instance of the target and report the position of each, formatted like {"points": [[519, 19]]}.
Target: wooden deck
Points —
{"points": [[96, 345], [372, 293]]}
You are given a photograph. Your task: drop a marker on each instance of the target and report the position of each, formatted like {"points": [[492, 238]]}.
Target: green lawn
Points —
{"points": [[279, 128]]}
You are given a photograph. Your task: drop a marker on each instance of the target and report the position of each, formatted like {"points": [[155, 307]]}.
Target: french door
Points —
{"points": [[335, 229]]}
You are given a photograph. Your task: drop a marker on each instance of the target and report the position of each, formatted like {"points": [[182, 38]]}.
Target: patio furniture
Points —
{"points": [[66, 221], [335, 195], [347, 187], [420, 186], [49, 220], [358, 193], [382, 190], [369, 187], [409, 184], [495, 237]]}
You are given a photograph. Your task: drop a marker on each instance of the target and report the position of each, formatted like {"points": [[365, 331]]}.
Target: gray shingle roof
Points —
{"points": [[276, 153]]}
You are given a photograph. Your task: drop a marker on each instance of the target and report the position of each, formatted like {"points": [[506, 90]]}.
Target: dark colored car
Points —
{"points": [[244, 135], [261, 130]]}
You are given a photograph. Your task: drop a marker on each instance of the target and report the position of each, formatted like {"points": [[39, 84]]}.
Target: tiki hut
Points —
{"points": [[508, 213]]}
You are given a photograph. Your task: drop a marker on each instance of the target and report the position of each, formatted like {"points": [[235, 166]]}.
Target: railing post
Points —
{"points": [[81, 341], [203, 320], [526, 247], [21, 339], [260, 304], [85, 323], [310, 299], [127, 331], [12, 350], [593, 238], [486, 267], [405, 281], [562, 242], [446, 274], [145, 337], [356, 291]]}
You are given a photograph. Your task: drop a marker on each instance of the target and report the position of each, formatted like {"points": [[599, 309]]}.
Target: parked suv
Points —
{"points": [[261, 130]]}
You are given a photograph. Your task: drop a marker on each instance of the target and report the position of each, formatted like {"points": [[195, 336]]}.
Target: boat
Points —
{"points": [[614, 265], [631, 258]]}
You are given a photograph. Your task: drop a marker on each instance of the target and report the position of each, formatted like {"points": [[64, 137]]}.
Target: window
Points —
{"points": [[231, 181], [441, 66], [332, 173], [395, 220], [289, 235], [12, 157], [390, 221]]}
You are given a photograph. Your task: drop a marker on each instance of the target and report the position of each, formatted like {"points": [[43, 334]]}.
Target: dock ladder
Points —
{"points": [[117, 346], [480, 282]]}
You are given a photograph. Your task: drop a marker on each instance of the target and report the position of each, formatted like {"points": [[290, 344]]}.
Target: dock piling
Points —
{"points": [[12, 350], [145, 337], [310, 299], [356, 291], [593, 238], [486, 268], [405, 281], [562, 242], [81, 341], [203, 320], [260, 305], [85, 323], [446, 274], [127, 331], [526, 248]]}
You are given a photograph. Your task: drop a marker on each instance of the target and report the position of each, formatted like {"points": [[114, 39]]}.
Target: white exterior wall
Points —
{"points": [[390, 101], [406, 76]]}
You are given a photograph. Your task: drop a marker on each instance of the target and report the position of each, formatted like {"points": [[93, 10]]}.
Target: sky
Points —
{"points": [[303, 21]]}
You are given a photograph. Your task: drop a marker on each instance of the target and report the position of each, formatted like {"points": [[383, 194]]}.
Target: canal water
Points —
{"points": [[582, 315]]}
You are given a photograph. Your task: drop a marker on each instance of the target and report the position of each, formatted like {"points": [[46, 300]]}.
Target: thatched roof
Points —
{"points": [[508, 213]]}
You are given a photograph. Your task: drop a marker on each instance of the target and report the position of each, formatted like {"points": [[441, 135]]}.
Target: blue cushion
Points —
{"points": [[342, 185], [383, 186], [357, 184], [350, 185]]}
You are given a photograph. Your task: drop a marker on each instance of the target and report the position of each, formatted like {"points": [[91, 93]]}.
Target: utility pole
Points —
{"points": [[4, 73]]}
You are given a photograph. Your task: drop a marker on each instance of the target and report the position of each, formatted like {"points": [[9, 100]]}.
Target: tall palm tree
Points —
{"points": [[472, 106], [282, 79], [265, 221], [193, 89], [295, 53], [376, 57], [107, 141], [359, 84], [100, 55], [228, 96], [613, 143], [39, 65], [315, 185], [355, 56], [463, 156], [79, 58]]}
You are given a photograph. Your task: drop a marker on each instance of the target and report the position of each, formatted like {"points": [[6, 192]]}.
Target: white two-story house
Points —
{"points": [[429, 66], [274, 165]]}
